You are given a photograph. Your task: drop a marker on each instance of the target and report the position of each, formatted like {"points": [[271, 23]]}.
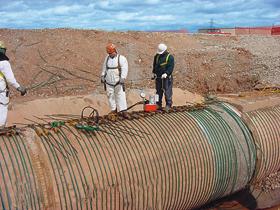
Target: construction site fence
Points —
{"points": [[271, 30]]}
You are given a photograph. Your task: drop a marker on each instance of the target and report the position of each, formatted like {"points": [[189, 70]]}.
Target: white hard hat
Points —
{"points": [[161, 48]]}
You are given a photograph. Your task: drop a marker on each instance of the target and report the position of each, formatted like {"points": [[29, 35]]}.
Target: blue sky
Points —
{"points": [[144, 15]]}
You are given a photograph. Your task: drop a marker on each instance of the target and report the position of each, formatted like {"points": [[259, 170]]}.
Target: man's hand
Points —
{"points": [[154, 76], [164, 76], [122, 80], [102, 79], [22, 90]]}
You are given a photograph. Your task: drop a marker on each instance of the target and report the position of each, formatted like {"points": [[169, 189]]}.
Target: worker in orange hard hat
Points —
{"points": [[111, 49], [114, 73], [6, 78]]}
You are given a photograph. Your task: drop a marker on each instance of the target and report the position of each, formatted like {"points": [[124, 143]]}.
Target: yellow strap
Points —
{"points": [[166, 60], [3, 77]]}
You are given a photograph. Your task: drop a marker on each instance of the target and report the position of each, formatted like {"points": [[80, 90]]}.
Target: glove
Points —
{"points": [[164, 76], [154, 76], [102, 79], [22, 90], [122, 80]]}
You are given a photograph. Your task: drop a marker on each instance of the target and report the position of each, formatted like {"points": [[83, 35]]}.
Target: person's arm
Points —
{"points": [[104, 67], [154, 65], [170, 65], [124, 67], [9, 75]]}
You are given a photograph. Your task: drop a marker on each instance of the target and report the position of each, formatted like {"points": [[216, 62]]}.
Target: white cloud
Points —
{"points": [[61, 10], [136, 14], [157, 18], [126, 16], [103, 4]]}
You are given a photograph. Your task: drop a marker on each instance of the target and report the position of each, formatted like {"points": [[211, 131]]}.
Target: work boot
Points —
{"points": [[159, 107], [167, 108], [112, 115], [125, 115], [113, 112]]}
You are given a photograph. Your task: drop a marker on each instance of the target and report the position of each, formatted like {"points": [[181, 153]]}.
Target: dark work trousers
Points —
{"points": [[164, 86]]}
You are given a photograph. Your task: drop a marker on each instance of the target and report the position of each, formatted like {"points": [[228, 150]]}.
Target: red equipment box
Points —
{"points": [[150, 107]]}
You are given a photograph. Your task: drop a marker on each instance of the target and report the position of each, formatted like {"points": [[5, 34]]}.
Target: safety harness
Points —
{"points": [[3, 57], [120, 72], [117, 67], [166, 60], [164, 63], [7, 89]]}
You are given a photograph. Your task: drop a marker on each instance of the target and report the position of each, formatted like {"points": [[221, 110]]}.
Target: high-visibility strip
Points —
{"points": [[166, 60]]}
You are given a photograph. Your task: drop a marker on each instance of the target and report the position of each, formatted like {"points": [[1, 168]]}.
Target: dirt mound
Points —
{"points": [[63, 62]]}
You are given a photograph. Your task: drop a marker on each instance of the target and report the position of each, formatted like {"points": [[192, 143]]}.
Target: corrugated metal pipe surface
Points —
{"points": [[177, 160], [265, 126]]}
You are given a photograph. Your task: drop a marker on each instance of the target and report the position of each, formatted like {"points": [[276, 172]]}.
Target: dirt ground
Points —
{"points": [[31, 111], [54, 63], [61, 68], [64, 62]]}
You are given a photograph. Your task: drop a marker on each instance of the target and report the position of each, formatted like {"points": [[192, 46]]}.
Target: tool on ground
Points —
{"points": [[148, 105], [89, 123], [151, 104]]}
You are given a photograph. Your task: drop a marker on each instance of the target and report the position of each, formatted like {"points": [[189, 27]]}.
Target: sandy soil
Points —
{"points": [[26, 112], [64, 62], [67, 63]]}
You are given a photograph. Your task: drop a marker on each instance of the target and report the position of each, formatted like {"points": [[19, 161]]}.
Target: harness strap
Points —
{"points": [[118, 83], [117, 67], [4, 103], [7, 86], [166, 60], [120, 72], [112, 84], [6, 89]]}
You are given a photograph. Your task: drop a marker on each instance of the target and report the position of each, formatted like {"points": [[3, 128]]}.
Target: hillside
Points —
{"points": [[59, 62]]}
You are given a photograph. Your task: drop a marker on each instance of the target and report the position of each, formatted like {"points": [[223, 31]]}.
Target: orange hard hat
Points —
{"points": [[111, 48]]}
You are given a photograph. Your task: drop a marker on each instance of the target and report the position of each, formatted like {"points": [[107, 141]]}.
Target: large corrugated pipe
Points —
{"points": [[265, 126], [177, 160]]}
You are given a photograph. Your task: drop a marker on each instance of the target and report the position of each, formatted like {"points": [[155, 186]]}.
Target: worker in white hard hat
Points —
{"points": [[6, 78], [114, 73], [163, 66]]}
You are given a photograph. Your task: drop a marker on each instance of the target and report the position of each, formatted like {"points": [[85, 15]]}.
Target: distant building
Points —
{"points": [[216, 31], [275, 30], [263, 30]]}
